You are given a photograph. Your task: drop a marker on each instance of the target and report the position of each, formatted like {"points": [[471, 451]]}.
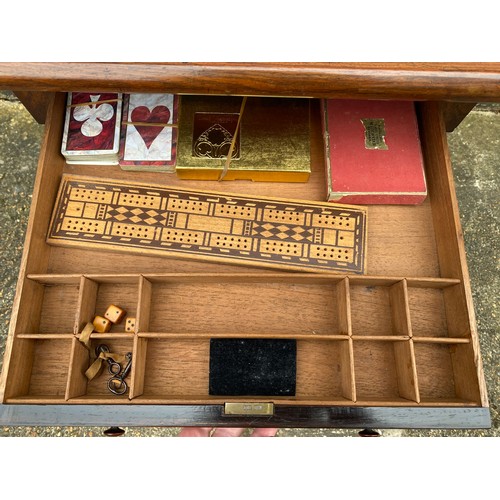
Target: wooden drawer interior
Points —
{"points": [[402, 335]]}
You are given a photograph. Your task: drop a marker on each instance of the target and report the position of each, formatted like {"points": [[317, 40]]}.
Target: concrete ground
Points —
{"points": [[475, 154]]}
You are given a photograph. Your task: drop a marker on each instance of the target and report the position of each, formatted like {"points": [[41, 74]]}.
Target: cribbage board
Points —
{"points": [[235, 229]]}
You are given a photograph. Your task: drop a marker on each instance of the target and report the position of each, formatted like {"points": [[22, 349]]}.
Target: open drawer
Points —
{"points": [[396, 347]]}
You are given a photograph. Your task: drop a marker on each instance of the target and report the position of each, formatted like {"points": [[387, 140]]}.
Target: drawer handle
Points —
{"points": [[114, 432]]}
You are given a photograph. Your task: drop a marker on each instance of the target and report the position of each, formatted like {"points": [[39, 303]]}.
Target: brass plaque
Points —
{"points": [[264, 409]]}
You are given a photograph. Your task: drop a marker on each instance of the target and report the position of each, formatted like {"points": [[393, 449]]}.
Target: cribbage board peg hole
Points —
{"points": [[114, 314]]}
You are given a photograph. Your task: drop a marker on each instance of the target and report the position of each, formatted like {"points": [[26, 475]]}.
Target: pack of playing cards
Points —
{"points": [[269, 138], [149, 132], [92, 128], [373, 152]]}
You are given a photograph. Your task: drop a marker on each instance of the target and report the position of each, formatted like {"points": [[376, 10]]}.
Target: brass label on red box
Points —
{"points": [[374, 133], [274, 233]]}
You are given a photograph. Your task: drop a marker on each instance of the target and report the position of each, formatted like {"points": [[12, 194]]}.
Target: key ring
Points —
{"points": [[117, 389], [114, 368], [121, 387]]}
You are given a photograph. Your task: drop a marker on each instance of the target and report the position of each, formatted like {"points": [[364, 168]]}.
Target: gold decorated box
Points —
{"points": [[272, 138]]}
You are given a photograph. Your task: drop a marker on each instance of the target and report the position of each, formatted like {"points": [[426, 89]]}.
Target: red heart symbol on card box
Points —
{"points": [[159, 114]]}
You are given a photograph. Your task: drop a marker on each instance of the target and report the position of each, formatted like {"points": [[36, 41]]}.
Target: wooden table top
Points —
{"points": [[469, 82]]}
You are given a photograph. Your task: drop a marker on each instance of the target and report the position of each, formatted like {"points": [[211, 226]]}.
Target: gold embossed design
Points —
{"points": [[217, 132], [374, 133]]}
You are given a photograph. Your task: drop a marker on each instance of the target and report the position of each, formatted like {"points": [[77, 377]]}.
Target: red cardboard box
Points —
{"points": [[373, 153]]}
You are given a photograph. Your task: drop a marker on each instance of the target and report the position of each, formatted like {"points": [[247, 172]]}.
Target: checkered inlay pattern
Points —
{"points": [[136, 215], [282, 231], [271, 233]]}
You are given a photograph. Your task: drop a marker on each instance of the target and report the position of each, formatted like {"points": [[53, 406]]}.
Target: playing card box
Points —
{"points": [[373, 152], [92, 128], [149, 132], [272, 142]]}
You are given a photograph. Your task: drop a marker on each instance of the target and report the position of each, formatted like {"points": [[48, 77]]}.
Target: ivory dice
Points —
{"points": [[101, 325], [114, 314], [130, 325]]}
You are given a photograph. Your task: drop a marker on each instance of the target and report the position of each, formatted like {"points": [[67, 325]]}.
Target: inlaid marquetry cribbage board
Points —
{"points": [[158, 220]]}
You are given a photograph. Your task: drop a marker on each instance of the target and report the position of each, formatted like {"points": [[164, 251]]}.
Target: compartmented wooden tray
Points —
{"points": [[403, 335], [360, 340]]}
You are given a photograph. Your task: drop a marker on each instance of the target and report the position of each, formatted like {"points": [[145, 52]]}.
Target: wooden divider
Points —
{"points": [[343, 307], [138, 367], [86, 309], [356, 344], [144, 305], [79, 362]]}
